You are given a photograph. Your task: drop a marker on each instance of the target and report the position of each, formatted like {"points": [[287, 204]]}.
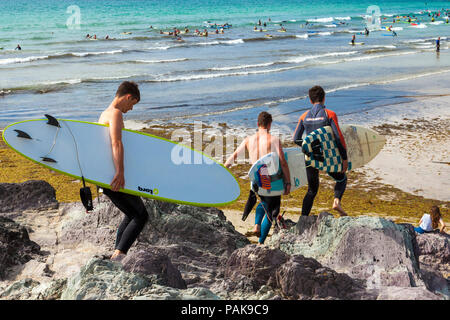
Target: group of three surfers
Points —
{"points": [[132, 206]]}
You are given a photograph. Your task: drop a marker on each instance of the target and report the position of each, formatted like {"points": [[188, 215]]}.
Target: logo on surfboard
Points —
{"points": [[148, 190]]}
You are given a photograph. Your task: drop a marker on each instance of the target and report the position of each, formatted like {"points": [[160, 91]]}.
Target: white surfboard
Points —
{"points": [[154, 167], [363, 144], [296, 163]]}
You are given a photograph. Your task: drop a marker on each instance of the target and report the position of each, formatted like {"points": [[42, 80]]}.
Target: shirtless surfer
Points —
{"points": [[258, 145], [133, 207]]}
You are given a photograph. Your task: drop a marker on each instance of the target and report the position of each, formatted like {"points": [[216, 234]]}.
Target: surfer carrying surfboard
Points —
{"points": [[133, 207], [258, 145], [317, 117]]}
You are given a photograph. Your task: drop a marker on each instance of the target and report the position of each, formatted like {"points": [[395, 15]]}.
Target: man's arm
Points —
{"points": [[299, 132], [239, 149], [115, 132], [340, 141], [284, 167]]}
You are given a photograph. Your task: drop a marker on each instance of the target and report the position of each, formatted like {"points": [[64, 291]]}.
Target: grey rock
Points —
{"points": [[408, 293], [197, 240], [372, 249], [16, 248], [104, 280], [255, 265], [20, 290], [306, 278], [29, 195], [153, 262]]}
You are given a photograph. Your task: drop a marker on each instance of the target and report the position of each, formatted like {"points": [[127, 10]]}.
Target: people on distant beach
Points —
{"points": [[319, 116], [258, 145], [430, 221], [18, 47], [133, 207]]}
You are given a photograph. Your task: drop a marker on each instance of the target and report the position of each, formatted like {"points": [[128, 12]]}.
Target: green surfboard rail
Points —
{"points": [[132, 192]]}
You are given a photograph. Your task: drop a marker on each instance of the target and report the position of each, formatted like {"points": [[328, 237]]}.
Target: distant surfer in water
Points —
{"points": [[438, 44], [318, 116], [18, 47], [353, 40], [258, 145], [133, 207]]}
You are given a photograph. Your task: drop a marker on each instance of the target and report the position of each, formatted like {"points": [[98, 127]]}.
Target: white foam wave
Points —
{"points": [[304, 36], [248, 66], [84, 54], [22, 60], [218, 75], [161, 61], [342, 18], [330, 25], [330, 54], [329, 19]]}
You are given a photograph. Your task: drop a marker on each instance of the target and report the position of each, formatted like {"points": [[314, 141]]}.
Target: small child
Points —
{"points": [[429, 222]]}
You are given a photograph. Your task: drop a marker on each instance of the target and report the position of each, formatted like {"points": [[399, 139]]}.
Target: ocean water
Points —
{"points": [[227, 77]]}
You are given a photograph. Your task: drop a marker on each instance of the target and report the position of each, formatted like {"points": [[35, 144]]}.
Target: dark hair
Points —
{"points": [[316, 94], [264, 119], [129, 87], [435, 216]]}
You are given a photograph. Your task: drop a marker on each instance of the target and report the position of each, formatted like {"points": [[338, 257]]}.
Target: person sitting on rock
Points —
{"points": [[430, 222], [258, 145]]}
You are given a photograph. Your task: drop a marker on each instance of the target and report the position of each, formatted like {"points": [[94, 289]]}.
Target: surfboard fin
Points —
{"points": [[47, 159], [22, 134], [52, 121]]}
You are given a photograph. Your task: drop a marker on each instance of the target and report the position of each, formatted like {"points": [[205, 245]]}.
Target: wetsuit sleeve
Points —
{"points": [[299, 131], [340, 141]]}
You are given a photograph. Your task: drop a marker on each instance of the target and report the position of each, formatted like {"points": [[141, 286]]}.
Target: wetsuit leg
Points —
{"points": [[273, 210], [260, 213], [341, 183], [313, 186], [134, 221], [251, 201]]}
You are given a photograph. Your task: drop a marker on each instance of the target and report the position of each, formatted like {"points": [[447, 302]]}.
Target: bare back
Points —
{"points": [[111, 114], [260, 144]]}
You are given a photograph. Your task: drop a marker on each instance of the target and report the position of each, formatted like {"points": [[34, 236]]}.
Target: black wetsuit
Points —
{"points": [[135, 218], [318, 116]]}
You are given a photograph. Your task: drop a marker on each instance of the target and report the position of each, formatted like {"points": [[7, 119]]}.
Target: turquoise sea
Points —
{"points": [[227, 77]]}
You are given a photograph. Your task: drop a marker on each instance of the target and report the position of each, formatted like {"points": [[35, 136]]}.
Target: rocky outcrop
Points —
{"points": [[153, 262], [187, 252], [16, 248], [196, 240], [434, 258], [290, 277], [102, 279], [29, 195], [375, 250]]}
